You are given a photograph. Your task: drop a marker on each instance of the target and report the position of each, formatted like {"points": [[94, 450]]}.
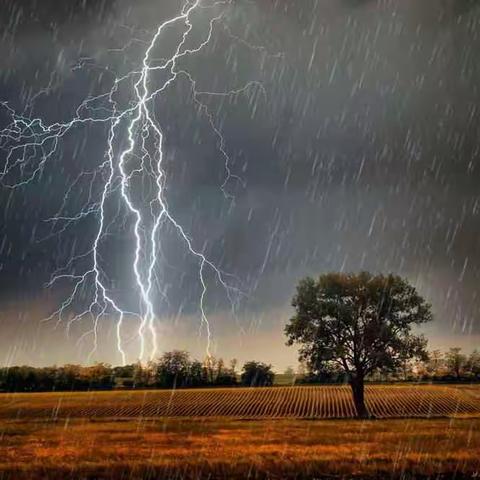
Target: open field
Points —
{"points": [[319, 402], [240, 433], [177, 448]]}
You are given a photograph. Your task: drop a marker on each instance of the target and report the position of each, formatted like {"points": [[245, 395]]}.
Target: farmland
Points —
{"points": [[187, 448], [311, 402], [278, 432]]}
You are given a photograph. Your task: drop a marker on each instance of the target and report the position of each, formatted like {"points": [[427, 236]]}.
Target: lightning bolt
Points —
{"points": [[29, 144]]}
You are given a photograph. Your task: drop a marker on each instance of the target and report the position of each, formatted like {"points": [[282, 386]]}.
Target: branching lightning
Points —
{"points": [[29, 141]]}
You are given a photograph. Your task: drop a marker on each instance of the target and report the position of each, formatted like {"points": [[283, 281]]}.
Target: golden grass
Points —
{"points": [[126, 435], [221, 448]]}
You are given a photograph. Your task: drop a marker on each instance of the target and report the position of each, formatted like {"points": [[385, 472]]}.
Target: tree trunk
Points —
{"points": [[358, 391]]}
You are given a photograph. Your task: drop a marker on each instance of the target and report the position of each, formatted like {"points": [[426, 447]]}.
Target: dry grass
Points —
{"points": [[107, 435], [221, 448]]}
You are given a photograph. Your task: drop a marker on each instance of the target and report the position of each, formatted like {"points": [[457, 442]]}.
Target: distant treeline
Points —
{"points": [[177, 369], [450, 366], [172, 370]]}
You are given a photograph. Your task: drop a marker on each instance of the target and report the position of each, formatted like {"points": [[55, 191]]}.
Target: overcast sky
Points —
{"points": [[360, 152]]}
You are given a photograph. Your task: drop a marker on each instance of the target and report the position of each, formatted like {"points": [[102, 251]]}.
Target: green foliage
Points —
{"points": [[473, 364], [435, 364], [357, 323], [456, 362], [257, 374], [173, 370], [176, 369], [69, 377]]}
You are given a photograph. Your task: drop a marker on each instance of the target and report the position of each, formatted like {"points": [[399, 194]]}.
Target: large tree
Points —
{"points": [[358, 324]]}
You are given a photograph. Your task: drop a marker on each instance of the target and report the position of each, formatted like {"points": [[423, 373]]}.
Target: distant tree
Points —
{"points": [[173, 369], [211, 364], [473, 364], [302, 368], [289, 376], [216, 373], [456, 362], [357, 323], [45, 379], [233, 365], [99, 376], [225, 376], [221, 369], [124, 371], [142, 376], [419, 369], [19, 379], [257, 374], [406, 369], [326, 373], [197, 374], [408, 364], [69, 377], [435, 364]]}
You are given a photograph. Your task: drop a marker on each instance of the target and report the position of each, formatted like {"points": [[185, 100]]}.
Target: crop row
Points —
{"points": [[277, 402]]}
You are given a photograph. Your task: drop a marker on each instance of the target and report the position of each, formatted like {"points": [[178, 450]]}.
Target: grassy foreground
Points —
{"points": [[222, 448]]}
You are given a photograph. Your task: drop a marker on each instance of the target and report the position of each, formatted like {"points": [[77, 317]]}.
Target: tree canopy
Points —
{"points": [[357, 323], [257, 374]]}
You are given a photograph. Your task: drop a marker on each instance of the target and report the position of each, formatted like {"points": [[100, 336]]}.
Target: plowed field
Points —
{"points": [[319, 402]]}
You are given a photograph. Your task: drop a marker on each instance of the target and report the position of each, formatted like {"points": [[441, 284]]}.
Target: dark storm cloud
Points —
{"points": [[363, 154], [49, 13]]}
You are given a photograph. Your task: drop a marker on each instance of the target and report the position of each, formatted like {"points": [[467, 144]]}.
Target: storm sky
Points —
{"points": [[360, 153]]}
